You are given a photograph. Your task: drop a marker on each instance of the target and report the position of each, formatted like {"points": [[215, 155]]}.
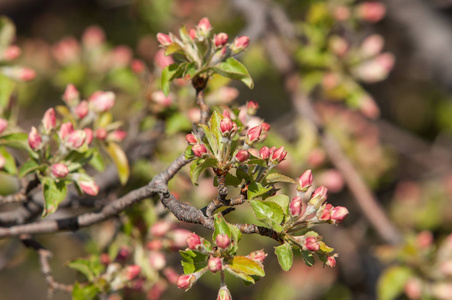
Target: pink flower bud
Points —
{"points": [[179, 237], [93, 37], [338, 45], [266, 127], [371, 11], [204, 26], [89, 187], [320, 192], [162, 60], [264, 153], [325, 214], [155, 245], [76, 139], [331, 261], [226, 126], [160, 228], [117, 135], [192, 33], [104, 259], [242, 155], [102, 101], [171, 275], [132, 271], [81, 110], [372, 45], [191, 139], [214, 264], [222, 241], [101, 134], [224, 294], [220, 39], [338, 214], [66, 51], [48, 121], [138, 66], [160, 98], [193, 241], [424, 239], [26, 74], [157, 260], [311, 244], [305, 181], [185, 281], [295, 207], [413, 288], [279, 155], [65, 130], [164, 39], [240, 44], [341, 13], [3, 125], [11, 53], [251, 108], [34, 139], [121, 56], [2, 161], [71, 95], [60, 170], [258, 256], [199, 150], [253, 134]]}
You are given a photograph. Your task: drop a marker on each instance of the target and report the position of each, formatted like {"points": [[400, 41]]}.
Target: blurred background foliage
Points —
{"points": [[401, 148]]}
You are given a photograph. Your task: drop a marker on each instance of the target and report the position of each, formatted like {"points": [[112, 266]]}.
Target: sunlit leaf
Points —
{"points": [[285, 256], [120, 159]]}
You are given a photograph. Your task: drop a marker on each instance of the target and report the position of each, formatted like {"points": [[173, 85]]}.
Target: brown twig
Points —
{"points": [[44, 256]]}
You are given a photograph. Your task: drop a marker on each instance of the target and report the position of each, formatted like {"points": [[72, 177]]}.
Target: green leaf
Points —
{"points": [[282, 201], [7, 32], [198, 169], [215, 121], [247, 266], [120, 159], [257, 161], [285, 256], [28, 167], [85, 292], [10, 162], [84, 267], [308, 258], [392, 282], [234, 69], [245, 277], [168, 74], [242, 175], [221, 226], [211, 138], [188, 154], [193, 261], [15, 140], [54, 193], [97, 161], [174, 47], [268, 213], [275, 177], [255, 189]]}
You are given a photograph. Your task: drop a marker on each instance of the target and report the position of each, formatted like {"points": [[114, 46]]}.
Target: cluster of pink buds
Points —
{"points": [[228, 128], [218, 47], [275, 156]]}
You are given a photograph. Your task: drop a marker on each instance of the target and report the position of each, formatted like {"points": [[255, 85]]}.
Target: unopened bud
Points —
{"points": [[220, 39], [204, 26], [49, 120], [305, 181], [222, 241], [331, 261], [242, 155], [157, 260], [318, 197], [199, 150], [93, 37], [89, 187], [338, 214], [325, 214], [264, 153], [60, 170], [193, 241], [371, 11], [164, 39], [11, 53], [81, 110], [224, 293], [117, 135], [279, 155], [311, 244], [240, 44], [192, 33], [226, 126], [160, 228], [191, 139], [258, 255], [34, 139], [253, 134], [71, 95], [372, 45], [101, 134], [102, 101], [132, 271], [214, 264], [266, 127], [251, 108], [171, 275], [295, 207], [76, 139], [65, 130], [185, 281]]}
